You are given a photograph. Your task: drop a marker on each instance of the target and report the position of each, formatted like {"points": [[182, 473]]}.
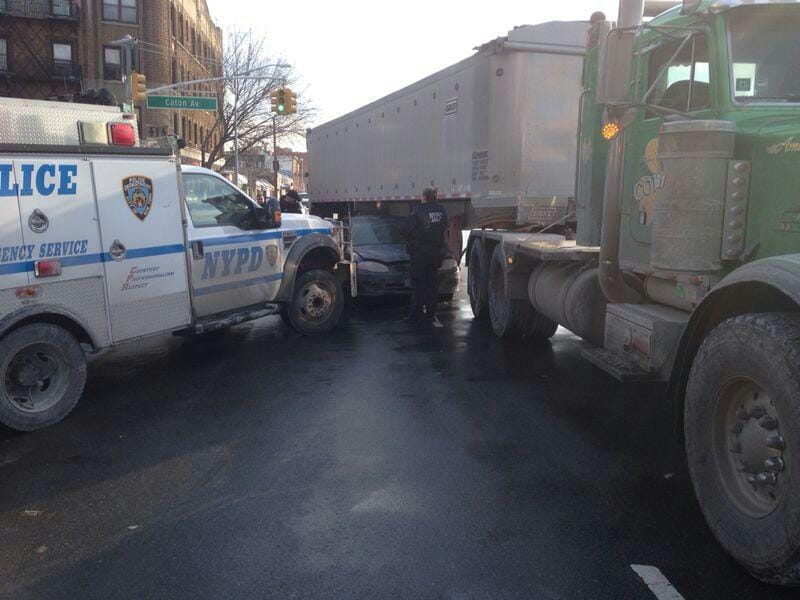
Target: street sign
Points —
{"points": [[182, 102]]}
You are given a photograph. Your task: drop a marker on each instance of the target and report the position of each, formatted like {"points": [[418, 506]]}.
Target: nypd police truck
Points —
{"points": [[103, 240]]}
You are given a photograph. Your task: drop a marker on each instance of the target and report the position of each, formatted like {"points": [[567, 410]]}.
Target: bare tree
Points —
{"points": [[245, 58]]}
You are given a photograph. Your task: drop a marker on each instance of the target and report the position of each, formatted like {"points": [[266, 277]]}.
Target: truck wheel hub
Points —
{"points": [[753, 463]]}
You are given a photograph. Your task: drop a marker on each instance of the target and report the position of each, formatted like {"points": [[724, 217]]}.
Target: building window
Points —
{"points": [[120, 10], [3, 54], [61, 8], [112, 64], [62, 53]]}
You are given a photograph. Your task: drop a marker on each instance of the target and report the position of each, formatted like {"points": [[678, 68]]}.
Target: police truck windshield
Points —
{"points": [[765, 53]]}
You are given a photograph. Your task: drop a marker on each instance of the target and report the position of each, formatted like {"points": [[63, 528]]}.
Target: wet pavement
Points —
{"points": [[382, 461]]}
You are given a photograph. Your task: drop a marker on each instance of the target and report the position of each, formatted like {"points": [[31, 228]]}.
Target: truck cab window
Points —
{"points": [[213, 202], [684, 86]]}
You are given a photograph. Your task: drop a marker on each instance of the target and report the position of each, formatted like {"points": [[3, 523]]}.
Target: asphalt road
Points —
{"points": [[382, 461]]}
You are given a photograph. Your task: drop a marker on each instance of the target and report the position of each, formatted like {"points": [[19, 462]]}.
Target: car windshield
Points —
{"points": [[376, 231], [765, 52]]}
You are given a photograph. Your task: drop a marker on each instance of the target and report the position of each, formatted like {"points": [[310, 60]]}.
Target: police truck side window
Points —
{"points": [[213, 202]]}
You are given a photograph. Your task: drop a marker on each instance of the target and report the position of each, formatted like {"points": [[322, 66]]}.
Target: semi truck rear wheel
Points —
{"points": [[477, 280], [43, 371], [317, 303], [742, 425], [512, 319]]}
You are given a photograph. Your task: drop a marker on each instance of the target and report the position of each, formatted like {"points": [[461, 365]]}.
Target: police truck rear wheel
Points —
{"points": [[317, 303], [43, 373], [742, 425], [477, 280]]}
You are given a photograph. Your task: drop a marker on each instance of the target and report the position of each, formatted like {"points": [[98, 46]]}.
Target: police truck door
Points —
{"points": [[234, 263], [143, 245]]}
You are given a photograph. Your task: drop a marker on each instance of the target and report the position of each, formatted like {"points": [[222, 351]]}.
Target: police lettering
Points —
{"points": [[43, 180], [232, 262]]}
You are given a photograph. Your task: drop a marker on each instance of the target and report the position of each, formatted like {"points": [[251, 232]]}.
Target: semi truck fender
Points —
{"points": [[767, 285], [314, 245], [45, 313]]}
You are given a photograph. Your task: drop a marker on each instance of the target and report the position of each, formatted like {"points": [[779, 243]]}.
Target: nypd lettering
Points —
{"points": [[44, 179], [222, 263]]}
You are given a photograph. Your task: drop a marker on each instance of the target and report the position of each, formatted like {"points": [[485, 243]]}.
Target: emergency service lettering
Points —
{"points": [[43, 180], [233, 262], [22, 252]]}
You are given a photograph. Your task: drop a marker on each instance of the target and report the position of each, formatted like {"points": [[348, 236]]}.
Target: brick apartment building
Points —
{"points": [[54, 47]]}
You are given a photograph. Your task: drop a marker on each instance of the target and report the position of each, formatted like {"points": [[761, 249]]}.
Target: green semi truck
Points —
{"points": [[685, 263]]}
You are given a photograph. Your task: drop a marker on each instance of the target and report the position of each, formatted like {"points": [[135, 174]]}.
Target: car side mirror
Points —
{"points": [[269, 215]]}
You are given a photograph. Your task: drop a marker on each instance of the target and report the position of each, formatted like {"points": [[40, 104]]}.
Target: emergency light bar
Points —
{"points": [[105, 134]]}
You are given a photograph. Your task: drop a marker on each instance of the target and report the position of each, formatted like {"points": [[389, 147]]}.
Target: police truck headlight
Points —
{"points": [[448, 264], [370, 266]]}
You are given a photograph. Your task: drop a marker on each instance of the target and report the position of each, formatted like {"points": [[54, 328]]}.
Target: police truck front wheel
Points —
{"points": [[43, 373], [317, 303], [742, 425]]}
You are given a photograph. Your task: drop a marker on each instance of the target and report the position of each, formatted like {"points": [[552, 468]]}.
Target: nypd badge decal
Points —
{"points": [[138, 191]]}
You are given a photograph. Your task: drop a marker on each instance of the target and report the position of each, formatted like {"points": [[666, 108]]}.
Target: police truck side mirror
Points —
{"points": [[269, 215]]}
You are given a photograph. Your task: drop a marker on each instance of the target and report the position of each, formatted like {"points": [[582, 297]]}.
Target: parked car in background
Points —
{"points": [[305, 203], [382, 260]]}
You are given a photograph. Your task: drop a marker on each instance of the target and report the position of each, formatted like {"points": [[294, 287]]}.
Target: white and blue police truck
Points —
{"points": [[104, 240]]}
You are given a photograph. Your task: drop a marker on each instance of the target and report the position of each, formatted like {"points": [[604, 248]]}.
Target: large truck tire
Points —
{"points": [[742, 426], [478, 280], [510, 319], [43, 373], [317, 303]]}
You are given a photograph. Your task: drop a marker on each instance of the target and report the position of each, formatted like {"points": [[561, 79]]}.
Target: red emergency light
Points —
{"points": [[123, 134], [47, 268]]}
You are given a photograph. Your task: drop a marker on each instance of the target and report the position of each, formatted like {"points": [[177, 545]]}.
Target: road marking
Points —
{"points": [[658, 584], [436, 322]]}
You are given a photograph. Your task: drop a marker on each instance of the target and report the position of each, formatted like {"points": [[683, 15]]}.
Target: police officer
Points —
{"points": [[425, 231]]}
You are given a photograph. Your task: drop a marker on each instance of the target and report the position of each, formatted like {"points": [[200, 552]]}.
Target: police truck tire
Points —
{"points": [[43, 373], [510, 319], [317, 303], [742, 427], [478, 280]]}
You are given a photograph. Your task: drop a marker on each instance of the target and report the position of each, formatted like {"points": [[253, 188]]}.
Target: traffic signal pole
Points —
{"points": [[275, 163]]}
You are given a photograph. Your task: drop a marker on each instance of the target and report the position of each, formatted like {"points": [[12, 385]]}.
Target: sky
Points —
{"points": [[351, 52]]}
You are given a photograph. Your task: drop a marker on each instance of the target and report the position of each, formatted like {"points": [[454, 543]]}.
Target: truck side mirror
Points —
{"points": [[269, 215], [614, 66]]}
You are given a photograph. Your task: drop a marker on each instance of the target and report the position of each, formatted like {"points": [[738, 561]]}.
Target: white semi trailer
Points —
{"points": [[496, 133]]}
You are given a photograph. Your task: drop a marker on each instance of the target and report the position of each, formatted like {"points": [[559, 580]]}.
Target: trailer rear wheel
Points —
{"points": [[477, 280], [317, 303], [742, 425], [43, 373]]}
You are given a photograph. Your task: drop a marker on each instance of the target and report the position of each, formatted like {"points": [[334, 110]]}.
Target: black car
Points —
{"points": [[382, 260]]}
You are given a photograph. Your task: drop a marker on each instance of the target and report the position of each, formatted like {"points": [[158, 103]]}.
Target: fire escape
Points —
{"points": [[41, 47]]}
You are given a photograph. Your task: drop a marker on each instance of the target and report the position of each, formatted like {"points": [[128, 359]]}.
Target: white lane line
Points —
{"points": [[436, 322], [658, 584]]}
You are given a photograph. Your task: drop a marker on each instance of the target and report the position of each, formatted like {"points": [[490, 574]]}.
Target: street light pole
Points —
{"points": [[236, 134], [275, 163]]}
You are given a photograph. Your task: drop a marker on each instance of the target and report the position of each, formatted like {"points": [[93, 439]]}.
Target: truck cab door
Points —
{"points": [[141, 231], [234, 263], [680, 83]]}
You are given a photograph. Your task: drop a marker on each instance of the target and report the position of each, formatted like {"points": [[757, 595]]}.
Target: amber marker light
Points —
{"points": [[610, 130]]}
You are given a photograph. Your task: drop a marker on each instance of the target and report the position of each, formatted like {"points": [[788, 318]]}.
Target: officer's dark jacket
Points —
{"points": [[424, 229]]}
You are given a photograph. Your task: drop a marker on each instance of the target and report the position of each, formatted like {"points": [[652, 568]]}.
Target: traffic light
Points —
{"points": [[279, 101], [284, 101], [138, 88]]}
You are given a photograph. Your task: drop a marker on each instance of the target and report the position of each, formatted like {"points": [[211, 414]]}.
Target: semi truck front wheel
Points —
{"points": [[742, 425], [43, 373]]}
